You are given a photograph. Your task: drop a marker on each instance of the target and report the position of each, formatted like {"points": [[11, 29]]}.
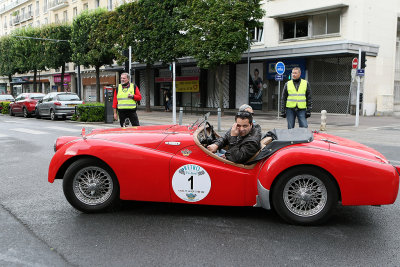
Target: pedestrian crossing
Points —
{"points": [[75, 129]]}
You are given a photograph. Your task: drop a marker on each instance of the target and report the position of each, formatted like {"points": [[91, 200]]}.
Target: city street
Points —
{"points": [[40, 228]]}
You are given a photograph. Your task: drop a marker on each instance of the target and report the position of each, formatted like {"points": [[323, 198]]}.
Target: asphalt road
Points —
{"points": [[40, 228]]}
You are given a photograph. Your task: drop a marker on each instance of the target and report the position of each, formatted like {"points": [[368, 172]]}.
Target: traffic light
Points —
{"points": [[363, 59], [361, 97]]}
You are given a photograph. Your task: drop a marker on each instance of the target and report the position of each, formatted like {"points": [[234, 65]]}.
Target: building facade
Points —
{"points": [[320, 37]]}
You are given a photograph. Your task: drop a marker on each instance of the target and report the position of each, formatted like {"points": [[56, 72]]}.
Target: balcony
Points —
{"points": [[26, 16], [14, 4], [57, 4], [16, 20]]}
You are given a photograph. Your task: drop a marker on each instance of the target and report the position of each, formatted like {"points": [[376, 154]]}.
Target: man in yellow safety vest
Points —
{"points": [[296, 100], [125, 101]]}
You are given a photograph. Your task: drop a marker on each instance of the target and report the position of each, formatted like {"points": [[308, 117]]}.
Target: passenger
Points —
{"points": [[242, 140], [249, 109]]}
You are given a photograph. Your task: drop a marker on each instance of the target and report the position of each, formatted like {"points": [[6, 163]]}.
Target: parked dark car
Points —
{"points": [[24, 104], [57, 104]]}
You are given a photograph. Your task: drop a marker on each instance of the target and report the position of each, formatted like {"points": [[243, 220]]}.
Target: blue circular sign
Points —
{"points": [[280, 68]]}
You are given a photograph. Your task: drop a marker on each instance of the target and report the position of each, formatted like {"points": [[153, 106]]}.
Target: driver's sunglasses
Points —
{"points": [[244, 114]]}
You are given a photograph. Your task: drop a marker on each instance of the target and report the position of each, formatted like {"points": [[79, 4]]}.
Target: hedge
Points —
{"points": [[90, 112], [4, 107]]}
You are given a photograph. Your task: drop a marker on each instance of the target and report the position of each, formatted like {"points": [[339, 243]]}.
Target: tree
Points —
{"points": [[8, 64], [57, 46], [29, 51], [91, 42], [217, 32], [152, 29]]}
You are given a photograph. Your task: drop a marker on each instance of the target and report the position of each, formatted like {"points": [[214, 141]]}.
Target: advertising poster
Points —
{"points": [[256, 86]]}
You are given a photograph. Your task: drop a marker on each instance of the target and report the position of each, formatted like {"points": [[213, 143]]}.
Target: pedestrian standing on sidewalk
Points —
{"points": [[296, 100], [125, 101]]}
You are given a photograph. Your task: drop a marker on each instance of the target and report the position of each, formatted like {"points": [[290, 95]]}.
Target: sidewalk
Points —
{"points": [[269, 120]]}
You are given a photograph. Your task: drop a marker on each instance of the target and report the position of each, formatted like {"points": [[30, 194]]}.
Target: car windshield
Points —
{"points": [[6, 97], [68, 97], [37, 97], [200, 121]]}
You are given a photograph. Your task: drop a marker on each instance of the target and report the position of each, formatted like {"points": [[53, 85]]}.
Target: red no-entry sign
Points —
{"points": [[354, 63]]}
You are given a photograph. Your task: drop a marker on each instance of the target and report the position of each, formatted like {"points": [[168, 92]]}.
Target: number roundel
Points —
{"points": [[191, 183]]}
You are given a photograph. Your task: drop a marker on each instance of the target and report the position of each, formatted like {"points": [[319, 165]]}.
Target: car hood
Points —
{"points": [[147, 136], [346, 146]]}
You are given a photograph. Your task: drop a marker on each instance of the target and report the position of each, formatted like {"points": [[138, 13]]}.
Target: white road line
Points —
{"points": [[3, 135], [24, 130], [64, 129], [94, 126], [11, 121]]}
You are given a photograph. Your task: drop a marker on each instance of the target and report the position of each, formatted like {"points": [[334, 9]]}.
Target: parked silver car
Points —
{"points": [[57, 104]]}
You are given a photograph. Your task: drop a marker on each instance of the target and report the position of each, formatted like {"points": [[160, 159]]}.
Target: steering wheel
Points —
{"points": [[207, 138]]}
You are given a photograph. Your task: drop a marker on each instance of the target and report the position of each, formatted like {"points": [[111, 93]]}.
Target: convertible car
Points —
{"points": [[302, 175]]}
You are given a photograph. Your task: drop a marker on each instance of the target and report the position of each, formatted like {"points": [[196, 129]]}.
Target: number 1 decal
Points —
{"points": [[191, 182], [198, 190]]}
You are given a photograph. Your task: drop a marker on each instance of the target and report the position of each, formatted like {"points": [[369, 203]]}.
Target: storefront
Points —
{"points": [[65, 87]]}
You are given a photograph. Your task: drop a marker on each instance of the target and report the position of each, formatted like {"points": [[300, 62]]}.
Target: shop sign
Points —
{"points": [[57, 78]]}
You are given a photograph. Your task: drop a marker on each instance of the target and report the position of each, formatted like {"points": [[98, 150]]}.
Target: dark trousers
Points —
{"points": [[292, 113], [130, 114]]}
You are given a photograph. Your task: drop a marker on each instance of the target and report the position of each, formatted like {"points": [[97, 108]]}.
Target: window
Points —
{"points": [[56, 19], [312, 25], [22, 13], [109, 4], [256, 34], [74, 12], [326, 23], [45, 6], [46, 20], [85, 6], [37, 8], [97, 4], [295, 28], [65, 16], [30, 11]]}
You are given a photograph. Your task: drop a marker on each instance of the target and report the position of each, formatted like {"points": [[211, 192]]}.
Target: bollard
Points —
{"points": [[323, 121], [180, 115], [219, 119]]}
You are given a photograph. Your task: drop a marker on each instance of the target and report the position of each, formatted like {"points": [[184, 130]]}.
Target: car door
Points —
{"points": [[17, 108], [42, 105], [197, 177]]}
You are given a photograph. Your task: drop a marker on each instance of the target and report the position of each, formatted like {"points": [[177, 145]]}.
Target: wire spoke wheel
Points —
{"points": [[92, 185], [305, 195]]}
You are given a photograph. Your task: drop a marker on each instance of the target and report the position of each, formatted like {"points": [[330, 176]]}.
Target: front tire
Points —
{"points": [[37, 115], [305, 196], [25, 113], [11, 112], [90, 186]]}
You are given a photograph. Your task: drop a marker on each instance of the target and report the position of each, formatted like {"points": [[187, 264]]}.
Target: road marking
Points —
{"points": [[11, 121], [95, 126], [3, 135], [64, 129], [24, 130], [394, 162]]}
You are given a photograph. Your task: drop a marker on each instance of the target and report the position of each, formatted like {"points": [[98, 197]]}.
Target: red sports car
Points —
{"points": [[25, 104], [301, 174]]}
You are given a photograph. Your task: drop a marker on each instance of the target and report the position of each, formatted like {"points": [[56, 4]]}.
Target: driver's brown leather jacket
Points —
{"points": [[240, 148]]}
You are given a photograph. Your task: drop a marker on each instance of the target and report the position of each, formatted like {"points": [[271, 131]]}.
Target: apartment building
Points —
{"points": [[321, 37]]}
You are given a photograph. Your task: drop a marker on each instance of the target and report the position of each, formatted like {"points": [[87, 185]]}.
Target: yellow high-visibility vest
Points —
{"points": [[123, 101], [297, 97]]}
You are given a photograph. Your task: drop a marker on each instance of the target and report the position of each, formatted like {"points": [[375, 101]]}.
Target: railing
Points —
{"points": [[12, 5], [57, 4]]}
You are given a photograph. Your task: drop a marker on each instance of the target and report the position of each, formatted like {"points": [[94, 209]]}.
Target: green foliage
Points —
{"points": [[29, 53], [90, 39], [8, 62], [4, 107], [217, 30], [56, 53], [92, 112], [152, 28]]}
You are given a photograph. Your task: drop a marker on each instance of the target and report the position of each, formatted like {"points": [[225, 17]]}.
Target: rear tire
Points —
{"points": [[305, 196], [91, 186], [53, 115]]}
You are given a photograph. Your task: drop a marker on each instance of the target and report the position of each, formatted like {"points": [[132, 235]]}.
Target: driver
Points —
{"points": [[242, 140]]}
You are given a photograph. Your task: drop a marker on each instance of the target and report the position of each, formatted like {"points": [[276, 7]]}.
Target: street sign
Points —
{"points": [[360, 72], [280, 68], [278, 77], [354, 63]]}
